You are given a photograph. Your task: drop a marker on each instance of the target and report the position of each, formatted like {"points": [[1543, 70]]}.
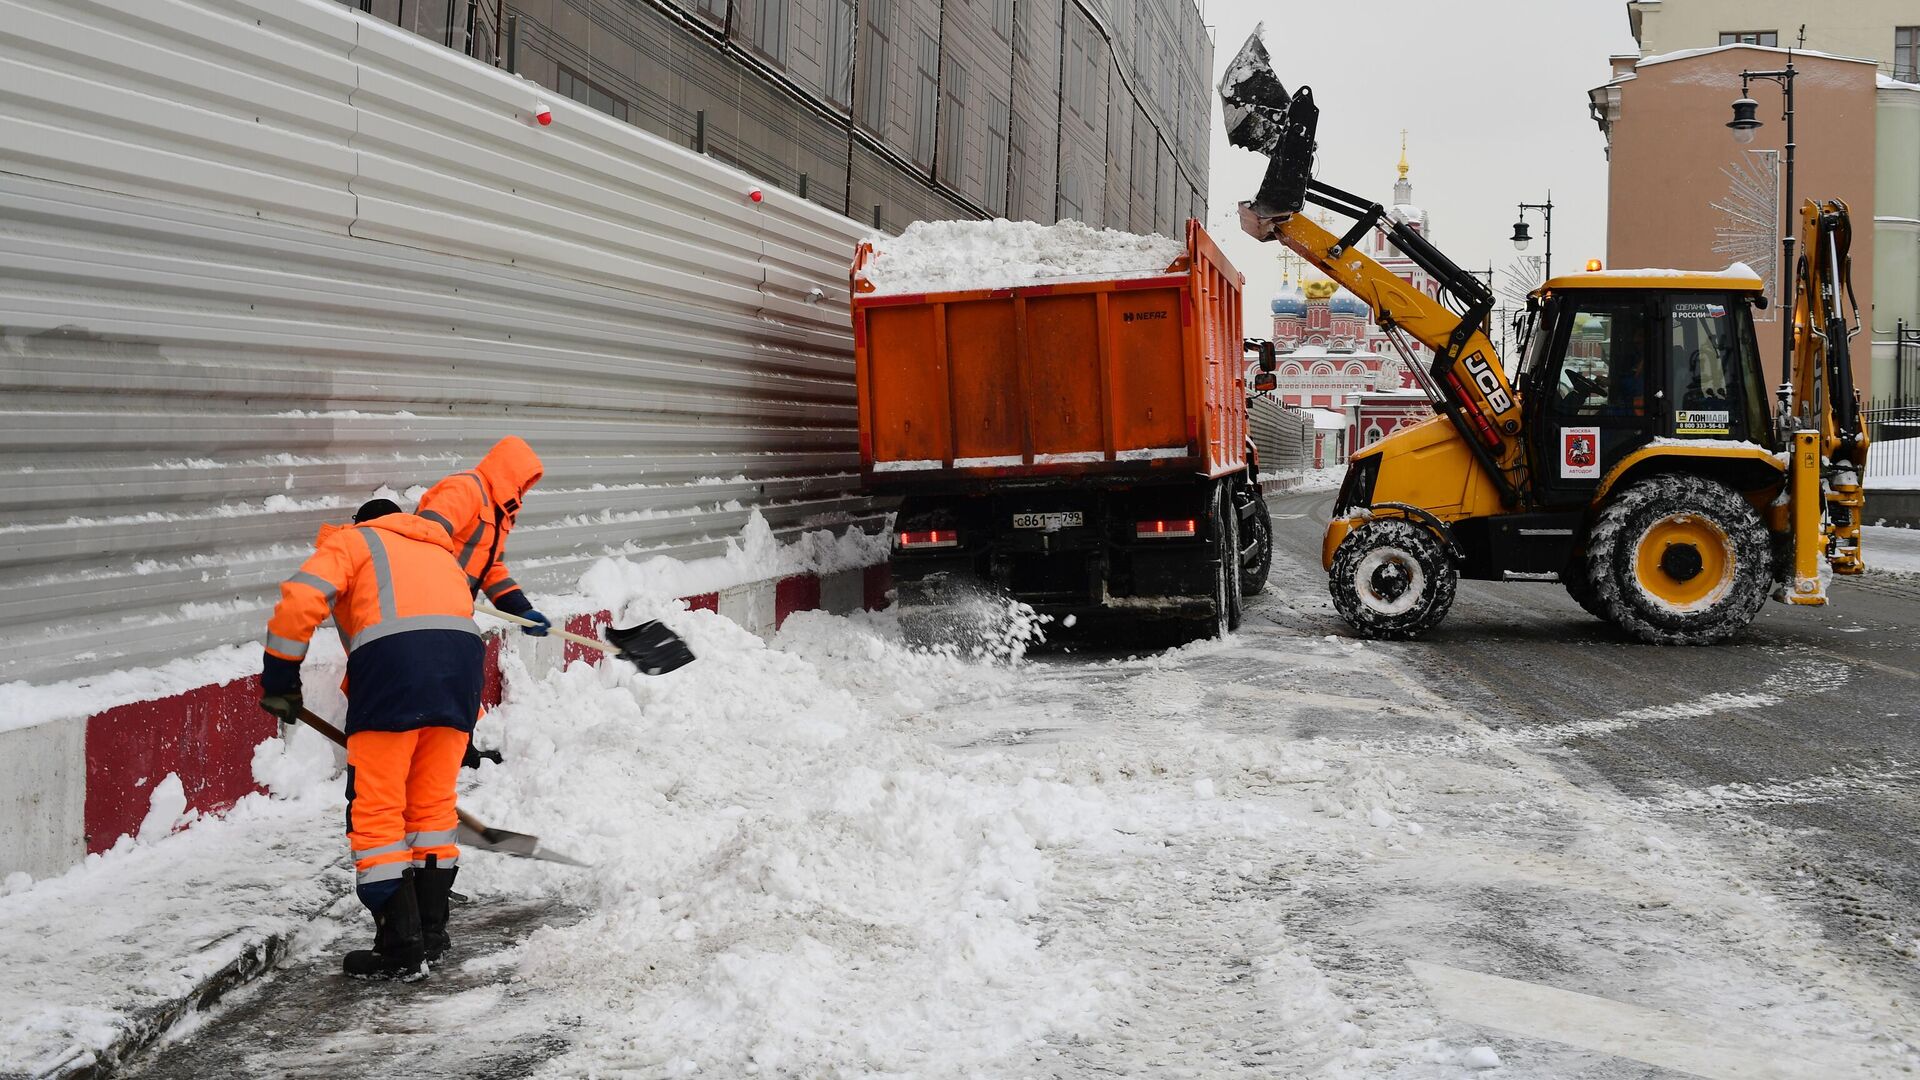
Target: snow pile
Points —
{"points": [[632, 589], [948, 256], [789, 879]]}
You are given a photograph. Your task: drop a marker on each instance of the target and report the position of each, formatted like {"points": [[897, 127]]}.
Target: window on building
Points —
{"points": [[1906, 53], [1003, 18], [926, 101], [840, 51], [570, 84], [714, 9], [953, 124], [1770, 38], [872, 67], [1072, 201], [766, 28], [998, 129]]}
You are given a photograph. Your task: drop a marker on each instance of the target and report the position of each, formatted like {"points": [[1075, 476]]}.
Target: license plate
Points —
{"points": [[1068, 519]]}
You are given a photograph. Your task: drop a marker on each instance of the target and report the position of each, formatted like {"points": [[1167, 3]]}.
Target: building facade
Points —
{"points": [[1880, 30], [1858, 105], [889, 111]]}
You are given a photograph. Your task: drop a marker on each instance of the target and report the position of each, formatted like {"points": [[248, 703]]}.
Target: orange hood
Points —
{"points": [[510, 469]]}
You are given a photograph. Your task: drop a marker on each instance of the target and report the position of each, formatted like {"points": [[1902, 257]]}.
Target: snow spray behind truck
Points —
{"points": [[1062, 412]]}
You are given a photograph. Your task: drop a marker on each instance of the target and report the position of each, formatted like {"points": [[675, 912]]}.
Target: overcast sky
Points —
{"points": [[1492, 94]]}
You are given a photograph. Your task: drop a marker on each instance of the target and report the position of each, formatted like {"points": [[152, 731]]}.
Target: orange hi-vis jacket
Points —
{"points": [[403, 610], [477, 509]]}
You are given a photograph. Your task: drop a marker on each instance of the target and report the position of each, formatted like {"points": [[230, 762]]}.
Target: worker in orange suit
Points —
{"points": [[414, 661], [477, 509]]}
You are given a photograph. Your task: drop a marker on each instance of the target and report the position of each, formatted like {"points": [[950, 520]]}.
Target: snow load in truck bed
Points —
{"points": [[953, 256]]}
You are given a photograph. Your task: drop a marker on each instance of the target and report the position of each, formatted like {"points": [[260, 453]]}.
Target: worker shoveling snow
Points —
{"points": [[941, 256]]}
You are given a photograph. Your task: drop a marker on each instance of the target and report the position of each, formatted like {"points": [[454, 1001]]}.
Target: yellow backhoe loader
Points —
{"points": [[1631, 455]]}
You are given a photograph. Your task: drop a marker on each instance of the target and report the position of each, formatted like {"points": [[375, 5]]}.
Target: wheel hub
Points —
{"points": [[1681, 562], [1390, 581], [1684, 562]]}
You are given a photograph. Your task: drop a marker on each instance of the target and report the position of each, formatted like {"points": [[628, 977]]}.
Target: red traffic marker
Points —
{"points": [[755, 195], [542, 115]]}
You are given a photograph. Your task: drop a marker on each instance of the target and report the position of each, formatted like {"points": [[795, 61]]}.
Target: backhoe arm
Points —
{"points": [[1466, 379], [1823, 413]]}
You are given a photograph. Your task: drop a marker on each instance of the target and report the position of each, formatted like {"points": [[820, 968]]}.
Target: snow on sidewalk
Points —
{"points": [[119, 946], [1891, 550]]}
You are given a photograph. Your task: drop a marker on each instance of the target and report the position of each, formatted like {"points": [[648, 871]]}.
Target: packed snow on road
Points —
{"points": [[830, 853]]}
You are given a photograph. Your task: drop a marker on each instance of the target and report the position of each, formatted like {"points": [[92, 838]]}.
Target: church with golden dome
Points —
{"points": [[1334, 360]]}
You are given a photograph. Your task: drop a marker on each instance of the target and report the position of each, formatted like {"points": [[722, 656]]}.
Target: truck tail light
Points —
{"points": [[1165, 528], [930, 538]]}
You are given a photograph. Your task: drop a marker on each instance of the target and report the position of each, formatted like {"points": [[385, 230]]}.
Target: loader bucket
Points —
{"points": [[1261, 117]]}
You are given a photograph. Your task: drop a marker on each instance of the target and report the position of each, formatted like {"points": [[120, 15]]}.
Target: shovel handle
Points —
{"points": [[565, 635], [312, 720]]}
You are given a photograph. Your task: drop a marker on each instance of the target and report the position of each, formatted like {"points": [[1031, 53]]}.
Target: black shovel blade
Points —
{"points": [[505, 842], [1261, 117], [651, 647], [1253, 102]]}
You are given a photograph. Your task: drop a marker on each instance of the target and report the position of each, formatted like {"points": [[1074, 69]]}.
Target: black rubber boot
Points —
{"points": [[398, 951], [434, 888]]}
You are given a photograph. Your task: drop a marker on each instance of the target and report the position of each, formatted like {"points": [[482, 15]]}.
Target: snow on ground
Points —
{"points": [[942, 256], [828, 854], [1890, 550]]}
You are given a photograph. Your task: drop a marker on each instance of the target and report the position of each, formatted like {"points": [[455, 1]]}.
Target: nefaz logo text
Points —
{"points": [[1142, 316]]}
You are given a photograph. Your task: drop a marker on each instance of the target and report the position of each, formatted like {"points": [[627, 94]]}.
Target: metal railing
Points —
{"points": [[1893, 457]]}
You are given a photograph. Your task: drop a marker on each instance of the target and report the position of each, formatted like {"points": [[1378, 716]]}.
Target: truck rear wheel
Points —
{"points": [[1679, 560], [1392, 579], [1223, 524], [1256, 538]]}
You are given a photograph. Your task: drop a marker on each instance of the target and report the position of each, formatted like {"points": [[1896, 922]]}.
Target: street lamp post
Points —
{"points": [[1744, 123], [1522, 236]]}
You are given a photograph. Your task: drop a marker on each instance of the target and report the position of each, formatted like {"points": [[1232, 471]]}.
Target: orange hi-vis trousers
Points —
{"points": [[401, 805]]}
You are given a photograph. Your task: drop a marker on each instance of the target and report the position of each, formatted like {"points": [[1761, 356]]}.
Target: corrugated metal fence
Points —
{"points": [[1283, 436], [259, 258]]}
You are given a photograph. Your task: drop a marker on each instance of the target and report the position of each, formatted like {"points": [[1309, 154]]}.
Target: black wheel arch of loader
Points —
{"points": [[1473, 296], [1743, 474], [1440, 529]]}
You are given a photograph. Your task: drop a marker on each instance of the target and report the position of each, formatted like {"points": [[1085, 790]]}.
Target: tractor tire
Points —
{"points": [[1679, 559], [1574, 577], [1392, 579], [1256, 539]]}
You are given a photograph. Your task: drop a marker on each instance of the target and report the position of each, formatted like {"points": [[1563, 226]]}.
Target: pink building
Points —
{"points": [[1331, 354]]}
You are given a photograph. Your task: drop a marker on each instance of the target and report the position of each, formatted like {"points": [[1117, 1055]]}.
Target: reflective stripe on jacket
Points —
{"points": [[477, 509], [404, 614]]}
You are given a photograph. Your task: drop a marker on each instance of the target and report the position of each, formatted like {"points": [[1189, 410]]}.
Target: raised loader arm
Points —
{"points": [[1466, 381], [1820, 408]]}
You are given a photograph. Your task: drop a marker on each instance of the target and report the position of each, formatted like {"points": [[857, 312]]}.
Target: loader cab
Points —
{"points": [[1619, 360]]}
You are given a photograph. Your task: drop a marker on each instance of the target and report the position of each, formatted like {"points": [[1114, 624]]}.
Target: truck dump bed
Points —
{"points": [[1140, 374]]}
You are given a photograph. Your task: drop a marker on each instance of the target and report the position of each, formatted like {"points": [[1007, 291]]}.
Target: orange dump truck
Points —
{"points": [[1078, 444]]}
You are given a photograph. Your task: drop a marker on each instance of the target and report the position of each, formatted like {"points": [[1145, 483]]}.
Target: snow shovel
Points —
{"points": [[472, 832], [651, 647]]}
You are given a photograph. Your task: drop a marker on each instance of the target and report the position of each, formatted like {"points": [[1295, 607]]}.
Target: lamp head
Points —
{"points": [[1745, 120]]}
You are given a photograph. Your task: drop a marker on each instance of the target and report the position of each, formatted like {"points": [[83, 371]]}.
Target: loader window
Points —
{"points": [[1602, 368], [1709, 356]]}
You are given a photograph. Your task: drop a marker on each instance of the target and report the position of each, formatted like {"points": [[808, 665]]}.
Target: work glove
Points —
{"points": [[475, 756], [285, 705], [540, 630]]}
